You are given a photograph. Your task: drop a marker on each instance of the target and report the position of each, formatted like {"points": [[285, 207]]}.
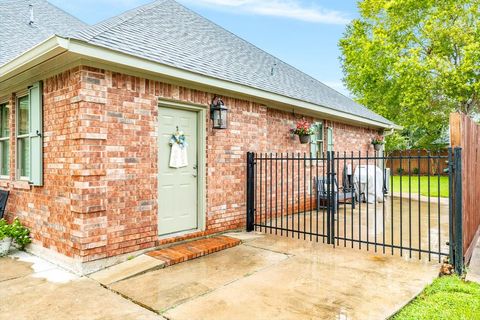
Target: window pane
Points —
{"points": [[23, 116], [24, 157], [5, 167], [319, 131], [4, 121], [320, 148]]}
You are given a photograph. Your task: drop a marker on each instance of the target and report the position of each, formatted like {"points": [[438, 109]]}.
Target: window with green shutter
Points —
{"points": [[329, 139], [23, 138], [4, 140], [316, 141], [29, 136]]}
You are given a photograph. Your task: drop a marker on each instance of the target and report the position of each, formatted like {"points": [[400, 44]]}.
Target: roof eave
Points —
{"points": [[45, 50], [56, 45]]}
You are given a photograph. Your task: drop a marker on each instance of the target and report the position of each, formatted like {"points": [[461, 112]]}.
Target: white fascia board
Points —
{"points": [[44, 51], [55, 45], [127, 60]]}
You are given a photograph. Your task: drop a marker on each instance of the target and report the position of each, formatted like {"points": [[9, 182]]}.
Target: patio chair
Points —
{"points": [[3, 202], [348, 179], [341, 196]]}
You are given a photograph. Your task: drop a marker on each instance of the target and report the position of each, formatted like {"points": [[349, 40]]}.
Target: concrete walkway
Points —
{"points": [[473, 273], [266, 277], [32, 288], [270, 277]]}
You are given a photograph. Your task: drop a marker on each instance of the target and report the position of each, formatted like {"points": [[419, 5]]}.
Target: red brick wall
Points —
{"points": [[100, 194], [46, 210]]}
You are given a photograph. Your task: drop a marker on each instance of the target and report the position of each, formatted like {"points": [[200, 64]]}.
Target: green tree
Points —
{"points": [[414, 62]]}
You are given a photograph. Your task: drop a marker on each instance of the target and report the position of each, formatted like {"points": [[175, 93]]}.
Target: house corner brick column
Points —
{"points": [[89, 186]]}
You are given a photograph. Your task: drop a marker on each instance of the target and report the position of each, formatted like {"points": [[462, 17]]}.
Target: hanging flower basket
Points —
{"points": [[378, 142], [304, 139], [304, 130]]}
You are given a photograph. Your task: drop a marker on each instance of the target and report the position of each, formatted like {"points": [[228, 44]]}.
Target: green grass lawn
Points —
{"points": [[447, 298], [423, 185]]}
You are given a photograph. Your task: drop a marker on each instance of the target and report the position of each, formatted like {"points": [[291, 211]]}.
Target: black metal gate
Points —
{"points": [[352, 200]]}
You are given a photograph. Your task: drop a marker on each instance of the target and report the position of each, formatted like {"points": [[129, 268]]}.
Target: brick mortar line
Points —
{"points": [[229, 246]]}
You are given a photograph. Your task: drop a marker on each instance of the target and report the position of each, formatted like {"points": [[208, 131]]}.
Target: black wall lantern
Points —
{"points": [[218, 113]]}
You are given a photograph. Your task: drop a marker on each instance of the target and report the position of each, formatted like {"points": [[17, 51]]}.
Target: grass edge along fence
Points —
{"points": [[424, 167]]}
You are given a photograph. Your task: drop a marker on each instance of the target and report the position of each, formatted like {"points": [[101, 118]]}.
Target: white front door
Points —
{"points": [[177, 187]]}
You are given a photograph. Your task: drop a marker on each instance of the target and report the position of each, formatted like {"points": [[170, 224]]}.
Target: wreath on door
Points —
{"points": [[178, 152]]}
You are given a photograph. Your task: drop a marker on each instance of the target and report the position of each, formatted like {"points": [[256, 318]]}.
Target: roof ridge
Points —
{"points": [[243, 62], [130, 14], [251, 44], [88, 33], [266, 52]]}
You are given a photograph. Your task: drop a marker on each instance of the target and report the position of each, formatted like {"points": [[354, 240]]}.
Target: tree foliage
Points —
{"points": [[414, 62]]}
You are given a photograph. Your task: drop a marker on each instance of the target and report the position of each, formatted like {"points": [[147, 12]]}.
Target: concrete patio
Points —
{"points": [[403, 223], [270, 277], [266, 277], [32, 288]]}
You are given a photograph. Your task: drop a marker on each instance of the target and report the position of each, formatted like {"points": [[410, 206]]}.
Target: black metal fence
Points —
{"points": [[352, 200]]}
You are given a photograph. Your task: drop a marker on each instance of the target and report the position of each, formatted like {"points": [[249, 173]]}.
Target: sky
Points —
{"points": [[303, 33]]}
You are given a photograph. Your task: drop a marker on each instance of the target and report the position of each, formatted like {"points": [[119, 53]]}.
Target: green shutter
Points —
{"points": [[36, 133], [330, 139]]}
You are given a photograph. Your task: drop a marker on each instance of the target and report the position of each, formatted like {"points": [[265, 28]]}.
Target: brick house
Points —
{"points": [[87, 112]]}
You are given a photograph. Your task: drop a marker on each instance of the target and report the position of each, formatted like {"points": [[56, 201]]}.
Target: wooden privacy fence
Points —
{"points": [[465, 133], [396, 165]]}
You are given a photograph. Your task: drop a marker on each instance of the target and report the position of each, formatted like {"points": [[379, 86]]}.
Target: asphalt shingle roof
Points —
{"points": [[168, 33], [17, 35]]}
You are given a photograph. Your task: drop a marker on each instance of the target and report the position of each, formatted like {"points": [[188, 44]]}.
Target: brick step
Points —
{"points": [[194, 249]]}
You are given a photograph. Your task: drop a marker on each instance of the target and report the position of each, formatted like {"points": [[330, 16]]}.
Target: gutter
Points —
{"points": [[56, 45], [43, 51]]}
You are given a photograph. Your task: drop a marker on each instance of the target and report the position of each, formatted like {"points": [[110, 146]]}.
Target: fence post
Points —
{"points": [[250, 191], [333, 198], [458, 217], [451, 209]]}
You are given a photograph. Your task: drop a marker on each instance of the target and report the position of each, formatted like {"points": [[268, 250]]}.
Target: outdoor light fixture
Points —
{"points": [[218, 113]]}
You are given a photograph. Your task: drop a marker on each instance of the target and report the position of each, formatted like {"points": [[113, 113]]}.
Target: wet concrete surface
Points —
{"points": [[165, 288], [266, 277], [38, 290], [273, 277], [13, 268], [404, 223]]}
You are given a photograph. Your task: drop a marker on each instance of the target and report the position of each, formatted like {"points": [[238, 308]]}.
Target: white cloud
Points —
{"points": [[292, 9]]}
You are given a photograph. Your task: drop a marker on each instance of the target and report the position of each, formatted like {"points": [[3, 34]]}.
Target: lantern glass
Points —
{"points": [[219, 116]]}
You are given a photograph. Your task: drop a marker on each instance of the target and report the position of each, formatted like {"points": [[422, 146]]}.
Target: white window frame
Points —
{"points": [[318, 143], [3, 140], [330, 133], [21, 137]]}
